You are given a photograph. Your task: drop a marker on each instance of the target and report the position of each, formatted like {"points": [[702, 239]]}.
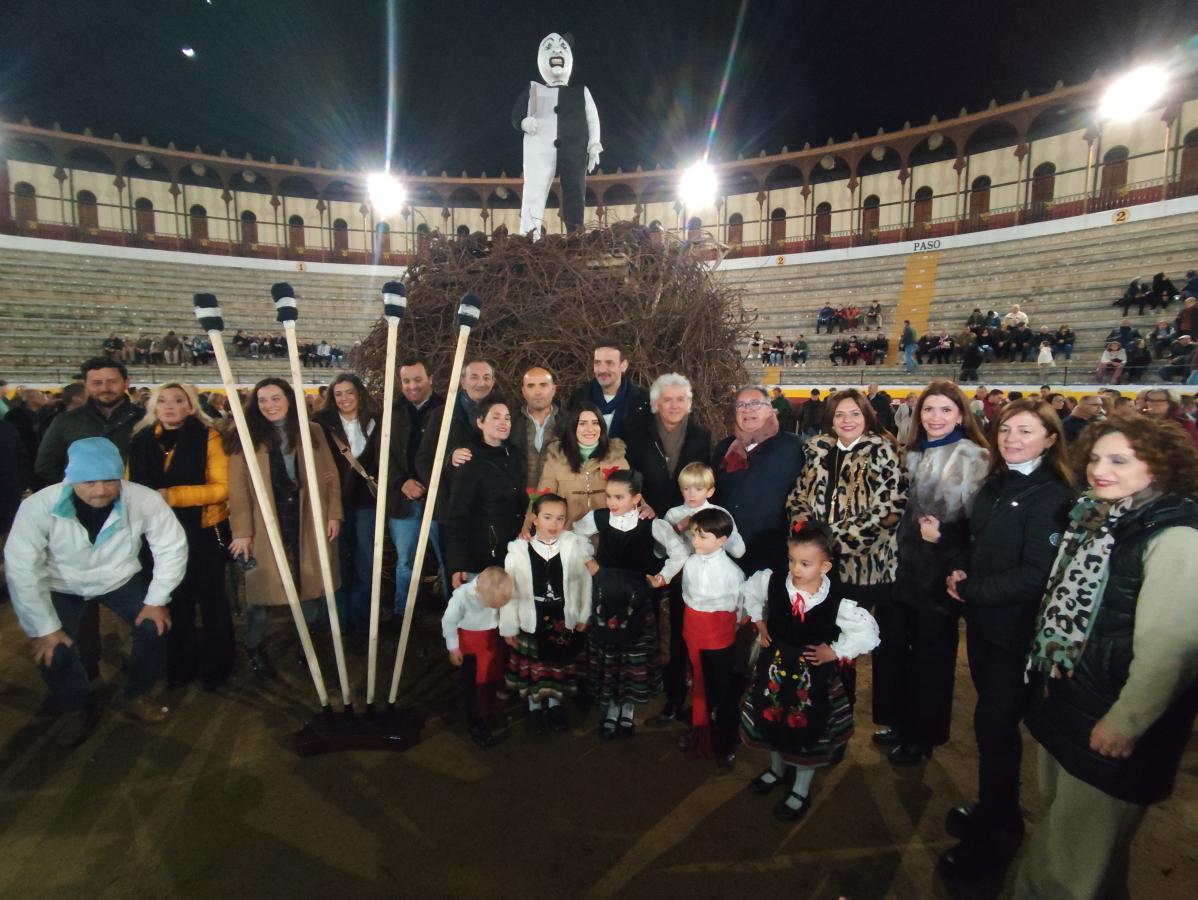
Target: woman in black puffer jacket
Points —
{"points": [[487, 499], [1015, 525]]}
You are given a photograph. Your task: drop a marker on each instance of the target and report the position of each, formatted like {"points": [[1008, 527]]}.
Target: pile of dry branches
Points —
{"points": [[549, 303]]}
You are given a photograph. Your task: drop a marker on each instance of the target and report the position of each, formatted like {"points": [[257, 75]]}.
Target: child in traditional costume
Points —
{"points": [[697, 482], [798, 708], [471, 630], [542, 625], [622, 632], [711, 584]]}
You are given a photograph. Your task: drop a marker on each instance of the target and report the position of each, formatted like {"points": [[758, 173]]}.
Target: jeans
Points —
{"points": [[1193, 379], [909, 363], [65, 676], [356, 543], [404, 534]]}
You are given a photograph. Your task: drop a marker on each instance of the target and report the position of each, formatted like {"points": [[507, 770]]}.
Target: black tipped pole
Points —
{"points": [[208, 312], [395, 304], [468, 314], [287, 312]]}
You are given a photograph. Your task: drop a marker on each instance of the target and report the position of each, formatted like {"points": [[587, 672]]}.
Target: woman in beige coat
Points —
{"points": [[274, 427], [576, 467]]}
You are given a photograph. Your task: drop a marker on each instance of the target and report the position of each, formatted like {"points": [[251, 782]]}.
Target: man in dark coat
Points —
{"points": [[415, 415], [666, 452], [623, 405]]}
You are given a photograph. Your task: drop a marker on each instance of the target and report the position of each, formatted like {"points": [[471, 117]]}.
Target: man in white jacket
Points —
{"points": [[78, 542]]}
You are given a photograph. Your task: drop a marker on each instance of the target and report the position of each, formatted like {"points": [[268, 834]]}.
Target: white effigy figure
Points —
{"points": [[561, 137]]}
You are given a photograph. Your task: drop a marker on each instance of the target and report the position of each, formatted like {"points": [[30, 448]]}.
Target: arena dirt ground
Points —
{"points": [[215, 804]]}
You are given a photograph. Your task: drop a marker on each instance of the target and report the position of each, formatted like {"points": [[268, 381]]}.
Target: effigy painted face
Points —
{"points": [[555, 60]]}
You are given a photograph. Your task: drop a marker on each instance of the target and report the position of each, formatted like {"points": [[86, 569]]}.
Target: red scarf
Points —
{"points": [[737, 456]]}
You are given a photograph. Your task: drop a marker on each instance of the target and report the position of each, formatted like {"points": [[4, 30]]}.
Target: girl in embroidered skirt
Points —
{"points": [[622, 632], [798, 708], [549, 609]]}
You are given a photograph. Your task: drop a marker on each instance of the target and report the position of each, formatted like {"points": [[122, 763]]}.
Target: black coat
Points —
{"points": [[355, 492], [462, 433], [405, 419], [1015, 528], [661, 489], [756, 497], [487, 501]]}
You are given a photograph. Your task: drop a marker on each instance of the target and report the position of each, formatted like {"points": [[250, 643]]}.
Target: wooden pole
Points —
{"points": [[393, 309], [281, 293], [467, 318], [208, 313]]}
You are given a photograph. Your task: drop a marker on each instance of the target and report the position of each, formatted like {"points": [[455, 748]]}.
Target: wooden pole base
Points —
{"points": [[393, 729]]}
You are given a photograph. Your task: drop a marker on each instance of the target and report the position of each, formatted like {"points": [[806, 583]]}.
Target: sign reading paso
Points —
{"points": [[924, 246]]}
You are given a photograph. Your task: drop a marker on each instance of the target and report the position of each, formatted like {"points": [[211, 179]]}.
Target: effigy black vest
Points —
{"points": [[1065, 710]]}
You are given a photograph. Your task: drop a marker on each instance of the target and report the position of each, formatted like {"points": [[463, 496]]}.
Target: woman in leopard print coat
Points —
{"points": [[855, 483]]}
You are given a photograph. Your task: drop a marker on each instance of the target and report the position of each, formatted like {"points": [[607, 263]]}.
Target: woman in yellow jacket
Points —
{"points": [[176, 451], [577, 466]]}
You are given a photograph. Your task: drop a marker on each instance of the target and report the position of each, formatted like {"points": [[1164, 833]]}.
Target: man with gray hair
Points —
{"points": [[673, 440]]}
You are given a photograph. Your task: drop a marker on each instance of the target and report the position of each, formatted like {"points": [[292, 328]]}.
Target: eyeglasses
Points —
{"points": [[750, 404]]}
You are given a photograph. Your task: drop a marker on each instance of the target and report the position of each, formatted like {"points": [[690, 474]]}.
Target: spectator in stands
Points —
{"points": [[107, 412], [1113, 357], [879, 349], [1187, 319], [274, 430], [1165, 403], [839, 351], [1022, 344], [799, 352], [241, 343], [336, 354], [1015, 317], [1163, 291], [976, 321], [1044, 334], [324, 354], [811, 416], [1135, 294], [908, 345], [756, 467], [171, 347], [941, 348], [176, 451], [825, 319], [351, 422], [985, 344], [114, 347], [141, 349], [1089, 408], [1113, 661], [1191, 286], [755, 343], [1161, 337], [851, 316], [1181, 354], [253, 342], [58, 566], [1125, 334], [873, 316], [924, 346], [1044, 359], [854, 351], [965, 336], [1063, 342], [993, 320], [971, 360], [1139, 358]]}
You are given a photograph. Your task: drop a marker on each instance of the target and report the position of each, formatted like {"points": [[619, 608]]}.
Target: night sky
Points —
{"points": [[308, 78]]}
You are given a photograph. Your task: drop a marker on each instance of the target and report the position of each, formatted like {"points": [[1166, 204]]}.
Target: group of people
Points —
{"points": [[169, 350], [603, 548], [1129, 354], [848, 317]]}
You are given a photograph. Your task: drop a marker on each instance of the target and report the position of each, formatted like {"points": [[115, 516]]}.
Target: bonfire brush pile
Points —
{"points": [[550, 302]]}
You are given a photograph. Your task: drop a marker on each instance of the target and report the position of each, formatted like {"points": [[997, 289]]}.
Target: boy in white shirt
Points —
{"points": [[471, 630], [711, 584]]}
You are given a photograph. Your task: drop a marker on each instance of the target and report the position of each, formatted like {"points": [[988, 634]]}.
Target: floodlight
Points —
{"points": [[697, 189], [386, 193], [189, 52], [1133, 94]]}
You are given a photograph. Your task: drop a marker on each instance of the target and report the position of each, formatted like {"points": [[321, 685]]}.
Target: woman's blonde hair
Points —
{"points": [[150, 419]]}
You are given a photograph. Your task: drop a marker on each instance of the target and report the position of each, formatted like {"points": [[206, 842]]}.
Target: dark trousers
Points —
{"points": [[877, 600], [925, 644], [572, 170], [66, 676], [997, 673], [719, 683], [674, 672], [205, 650]]}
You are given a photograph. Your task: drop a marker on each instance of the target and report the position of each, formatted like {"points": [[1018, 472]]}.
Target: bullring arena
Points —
{"points": [[1036, 203]]}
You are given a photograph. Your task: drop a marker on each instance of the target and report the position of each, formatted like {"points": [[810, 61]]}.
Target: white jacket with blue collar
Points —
{"points": [[48, 550]]}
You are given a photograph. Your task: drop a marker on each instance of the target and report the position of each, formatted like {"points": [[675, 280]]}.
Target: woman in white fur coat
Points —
{"points": [[947, 461], [543, 623]]}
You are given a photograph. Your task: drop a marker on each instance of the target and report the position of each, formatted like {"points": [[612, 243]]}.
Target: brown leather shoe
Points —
{"points": [[146, 710]]}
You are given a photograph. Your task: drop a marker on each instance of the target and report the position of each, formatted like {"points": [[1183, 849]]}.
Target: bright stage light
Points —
{"points": [[189, 52], [1133, 94], [697, 189], [386, 193]]}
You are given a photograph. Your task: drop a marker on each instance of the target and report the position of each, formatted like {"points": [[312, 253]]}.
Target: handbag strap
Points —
{"points": [[353, 462]]}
